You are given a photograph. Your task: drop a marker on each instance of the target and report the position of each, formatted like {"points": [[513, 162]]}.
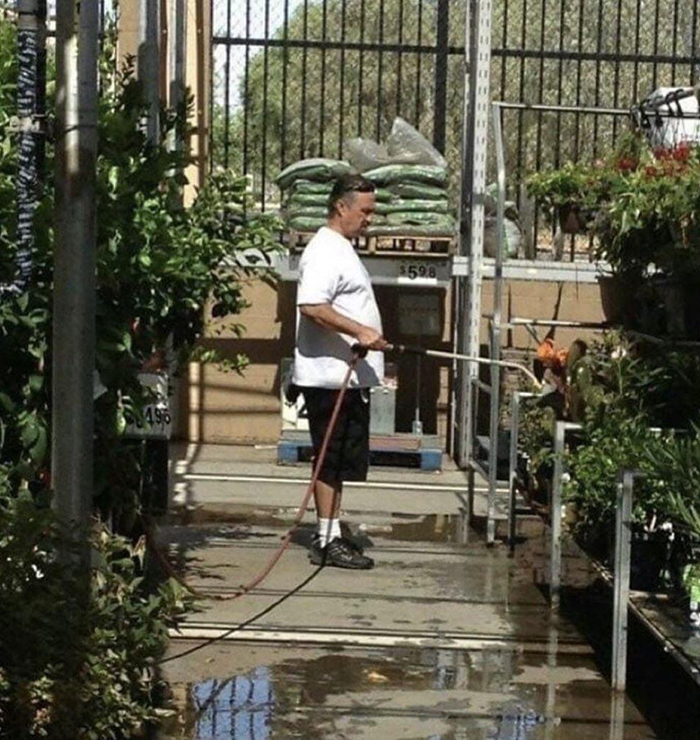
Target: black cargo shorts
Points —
{"points": [[347, 456]]}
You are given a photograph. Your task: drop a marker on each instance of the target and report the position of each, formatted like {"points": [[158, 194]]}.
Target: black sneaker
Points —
{"points": [[339, 554]]}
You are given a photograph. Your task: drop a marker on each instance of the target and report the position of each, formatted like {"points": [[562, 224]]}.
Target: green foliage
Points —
{"points": [[574, 184], [536, 434], [628, 393], [159, 265], [677, 465], [613, 443], [648, 205], [90, 670], [295, 102], [77, 650]]}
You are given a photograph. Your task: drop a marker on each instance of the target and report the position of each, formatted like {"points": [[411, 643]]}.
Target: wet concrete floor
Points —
{"points": [[444, 639]]}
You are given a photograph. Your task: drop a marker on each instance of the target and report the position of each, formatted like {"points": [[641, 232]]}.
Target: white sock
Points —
{"points": [[327, 530]]}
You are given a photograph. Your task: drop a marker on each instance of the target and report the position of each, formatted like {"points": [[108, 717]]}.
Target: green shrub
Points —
{"points": [[77, 649]]}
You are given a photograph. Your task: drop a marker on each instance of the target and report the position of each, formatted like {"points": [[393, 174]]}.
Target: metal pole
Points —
{"points": [[621, 584], [31, 109], [149, 65], [495, 331], [474, 149], [512, 468], [75, 264], [555, 516]]}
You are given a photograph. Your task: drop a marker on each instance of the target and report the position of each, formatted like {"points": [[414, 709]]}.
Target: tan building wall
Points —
{"points": [[232, 409]]}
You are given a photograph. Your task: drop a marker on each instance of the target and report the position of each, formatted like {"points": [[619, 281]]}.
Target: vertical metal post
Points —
{"points": [[74, 276], [617, 716], [552, 652], [512, 468], [477, 67], [495, 331], [149, 66], [621, 586], [555, 516], [495, 375], [441, 57], [178, 40]]}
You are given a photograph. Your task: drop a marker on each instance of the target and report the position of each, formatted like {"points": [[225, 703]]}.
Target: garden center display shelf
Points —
{"points": [[665, 622]]}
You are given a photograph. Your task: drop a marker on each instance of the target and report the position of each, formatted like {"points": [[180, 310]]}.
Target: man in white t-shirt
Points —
{"points": [[337, 309]]}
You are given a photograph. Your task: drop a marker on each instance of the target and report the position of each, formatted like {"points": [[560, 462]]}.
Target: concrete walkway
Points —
{"points": [[443, 639]]}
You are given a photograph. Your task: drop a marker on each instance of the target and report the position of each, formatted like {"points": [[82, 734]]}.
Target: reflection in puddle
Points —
{"points": [[239, 707], [302, 698]]}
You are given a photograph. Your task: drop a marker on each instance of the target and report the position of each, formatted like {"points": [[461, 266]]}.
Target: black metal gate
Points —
{"points": [[296, 78]]}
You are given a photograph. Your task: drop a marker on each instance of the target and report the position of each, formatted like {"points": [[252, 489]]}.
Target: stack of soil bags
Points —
{"points": [[305, 187], [415, 174], [411, 179]]}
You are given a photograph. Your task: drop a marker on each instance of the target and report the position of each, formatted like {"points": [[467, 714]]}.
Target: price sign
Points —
{"points": [[418, 272], [157, 416]]}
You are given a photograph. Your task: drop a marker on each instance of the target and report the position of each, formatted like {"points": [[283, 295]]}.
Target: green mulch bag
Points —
{"points": [[307, 212], [419, 218], [384, 196], [310, 200], [417, 190], [416, 232], [411, 206], [413, 173], [318, 170], [305, 223], [311, 223], [306, 187]]}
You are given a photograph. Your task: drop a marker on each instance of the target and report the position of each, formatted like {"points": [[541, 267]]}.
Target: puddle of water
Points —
{"points": [[435, 694]]}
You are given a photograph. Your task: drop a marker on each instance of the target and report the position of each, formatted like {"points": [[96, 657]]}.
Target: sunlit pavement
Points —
{"points": [[445, 638]]}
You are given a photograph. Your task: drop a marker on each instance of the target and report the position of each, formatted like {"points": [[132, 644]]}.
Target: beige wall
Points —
{"points": [[232, 409], [217, 406]]}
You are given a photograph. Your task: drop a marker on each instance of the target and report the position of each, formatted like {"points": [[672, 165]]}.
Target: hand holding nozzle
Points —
{"points": [[368, 339]]}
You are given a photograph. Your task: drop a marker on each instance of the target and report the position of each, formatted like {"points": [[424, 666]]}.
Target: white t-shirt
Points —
{"points": [[331, 272]]}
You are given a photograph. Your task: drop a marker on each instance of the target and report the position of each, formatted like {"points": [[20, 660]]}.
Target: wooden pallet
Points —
{"points": [[386, 246], [399, 450]]}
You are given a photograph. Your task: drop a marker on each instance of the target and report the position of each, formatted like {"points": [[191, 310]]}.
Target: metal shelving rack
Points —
{"points": [[660, 107]]}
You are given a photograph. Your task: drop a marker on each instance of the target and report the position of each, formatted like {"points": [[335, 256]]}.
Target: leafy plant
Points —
{"points": [[78, 649]]}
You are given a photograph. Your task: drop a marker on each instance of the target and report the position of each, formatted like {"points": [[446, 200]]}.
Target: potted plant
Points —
{"points": [[568, 193], [649, 233]]}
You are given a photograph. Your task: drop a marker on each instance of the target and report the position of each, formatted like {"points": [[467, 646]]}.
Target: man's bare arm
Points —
{"points": [[326, 316]]}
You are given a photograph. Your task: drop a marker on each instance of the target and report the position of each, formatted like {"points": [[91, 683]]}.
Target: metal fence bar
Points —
{"points": [[227, 82], [246, 72], [440, 115], [266, 70], [285, 82], [458, 51], [621, 584], [399, 60], [420, 58], [304, 62], [694, 45], [380, 71], [361, 76], [322, 108], [341, 117]]}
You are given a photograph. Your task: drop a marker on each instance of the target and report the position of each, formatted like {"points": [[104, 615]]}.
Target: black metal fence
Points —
{"points": [[297, 78]]}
